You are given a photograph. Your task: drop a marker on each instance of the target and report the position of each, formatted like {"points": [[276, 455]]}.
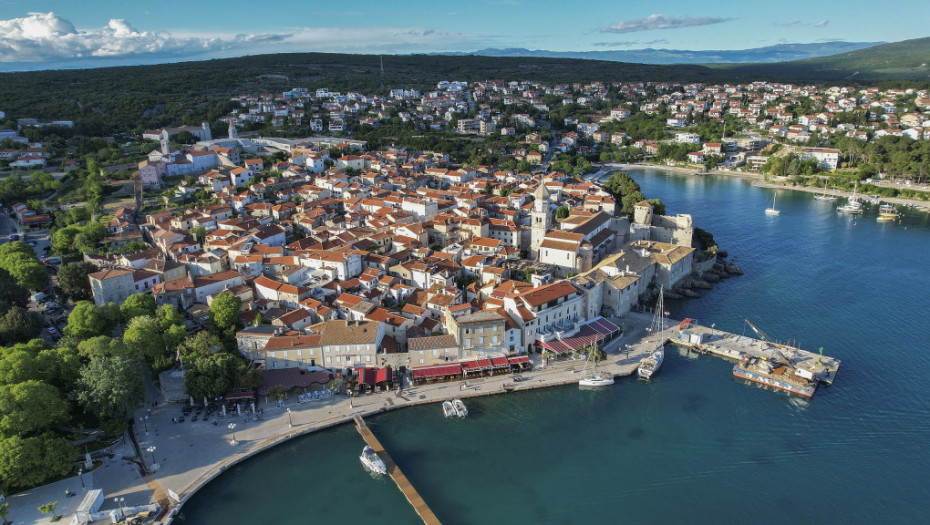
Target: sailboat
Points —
{"points": [[772, 210], [595, 379], [650, 364], [823, 196], [853, 205]]}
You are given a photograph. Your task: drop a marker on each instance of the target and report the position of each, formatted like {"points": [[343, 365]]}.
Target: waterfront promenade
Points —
{"points": [[188, 455]]}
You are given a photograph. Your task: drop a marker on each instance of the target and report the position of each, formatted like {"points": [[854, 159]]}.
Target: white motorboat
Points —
{"points": [[448, 409], [651, 364], [459, 407], [887, 212], [372, 461]]}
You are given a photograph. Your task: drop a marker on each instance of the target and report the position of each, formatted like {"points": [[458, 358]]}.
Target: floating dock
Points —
{"points": [[413, 497], [733, 347]]}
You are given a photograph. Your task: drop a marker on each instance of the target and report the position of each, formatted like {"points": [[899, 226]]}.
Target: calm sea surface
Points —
{"points": [[694, 445]]}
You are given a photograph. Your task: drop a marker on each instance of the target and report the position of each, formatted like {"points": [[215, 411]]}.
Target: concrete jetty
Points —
{"points": [[413, 497], [734, 347]]}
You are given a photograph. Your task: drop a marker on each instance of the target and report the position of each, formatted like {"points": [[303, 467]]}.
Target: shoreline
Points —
{"points": [[758, 180], [555, 374]]}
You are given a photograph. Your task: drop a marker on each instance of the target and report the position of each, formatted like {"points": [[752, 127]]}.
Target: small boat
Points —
{"points": [[823, 196], [887, 212], [772, 210], [595, 379], [372, 461], [651, 364], [459, 407], [508, 387], [448, 410], [853, 205]]}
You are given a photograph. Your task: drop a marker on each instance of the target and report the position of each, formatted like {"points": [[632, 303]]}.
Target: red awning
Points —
{"points": [[518, 359], [499, 362], [367, 376], [239, 395], [383, 375], [480, 364], [436, 371]]}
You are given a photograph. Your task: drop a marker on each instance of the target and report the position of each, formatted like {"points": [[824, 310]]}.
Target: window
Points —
{"points": [[480, 340], [367, 358], [468, 330], [421, 361], [468, 342], [494, 340], [480, 329], [338, 359], [299, 352]]}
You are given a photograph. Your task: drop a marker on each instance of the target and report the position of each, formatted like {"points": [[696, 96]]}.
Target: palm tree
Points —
{"points": [[49, 508]]}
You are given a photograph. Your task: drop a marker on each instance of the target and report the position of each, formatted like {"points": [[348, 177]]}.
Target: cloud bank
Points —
{"points": [[652, 22], [47, 38]]}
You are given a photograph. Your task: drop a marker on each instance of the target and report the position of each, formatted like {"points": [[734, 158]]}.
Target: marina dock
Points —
{"points": [[734, 347], [413, 497]]}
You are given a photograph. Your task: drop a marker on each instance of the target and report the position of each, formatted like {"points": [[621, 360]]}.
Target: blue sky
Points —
{"points": [[71, 33]]}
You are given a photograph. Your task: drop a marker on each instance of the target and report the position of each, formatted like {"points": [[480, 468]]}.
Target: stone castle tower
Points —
{"points": [[207, 134], [540, 220], [233, 134]]}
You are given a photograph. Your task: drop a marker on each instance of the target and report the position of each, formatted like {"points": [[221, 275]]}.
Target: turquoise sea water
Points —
{"points": [[694, 445]]}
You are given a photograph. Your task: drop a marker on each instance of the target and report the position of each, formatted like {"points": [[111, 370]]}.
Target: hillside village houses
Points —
{"points": [[366, 258]]}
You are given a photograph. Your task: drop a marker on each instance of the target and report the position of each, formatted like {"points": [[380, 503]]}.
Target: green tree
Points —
{"points": [[29, 407], [133, 247], [61, 366], [11, 292], [101, 346], [138, 304], [87, 320], [224, 316], [210, 375], [26, 462], [62, 241], [49, 508], [658, 207], [562, 212], [199, 233], [73, 281], [4, 512], [111, 386], [88, 241], [20, 261], [18, 325]]}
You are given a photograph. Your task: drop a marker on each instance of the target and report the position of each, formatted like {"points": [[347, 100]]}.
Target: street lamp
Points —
{"points": [[290, 423], [145, 421], [81, 475], [151, 450], [232, 427], [712, 333], [120, 501]]}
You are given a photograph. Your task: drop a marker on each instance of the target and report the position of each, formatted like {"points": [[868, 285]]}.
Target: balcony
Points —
{"points": [[563, 330]]}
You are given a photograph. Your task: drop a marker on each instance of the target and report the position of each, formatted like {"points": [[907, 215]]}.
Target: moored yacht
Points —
{"points": [[448, 409], [651, 364], [459, 407], [372, 461]]}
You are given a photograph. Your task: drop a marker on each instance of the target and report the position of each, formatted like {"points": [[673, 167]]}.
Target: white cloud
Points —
{"points": [[46, 37], [822, 23], [628, 43], [792, 23], [652, 22]]}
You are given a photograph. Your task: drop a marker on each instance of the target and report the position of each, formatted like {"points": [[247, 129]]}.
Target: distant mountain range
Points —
{"points": [[768, 54]]}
